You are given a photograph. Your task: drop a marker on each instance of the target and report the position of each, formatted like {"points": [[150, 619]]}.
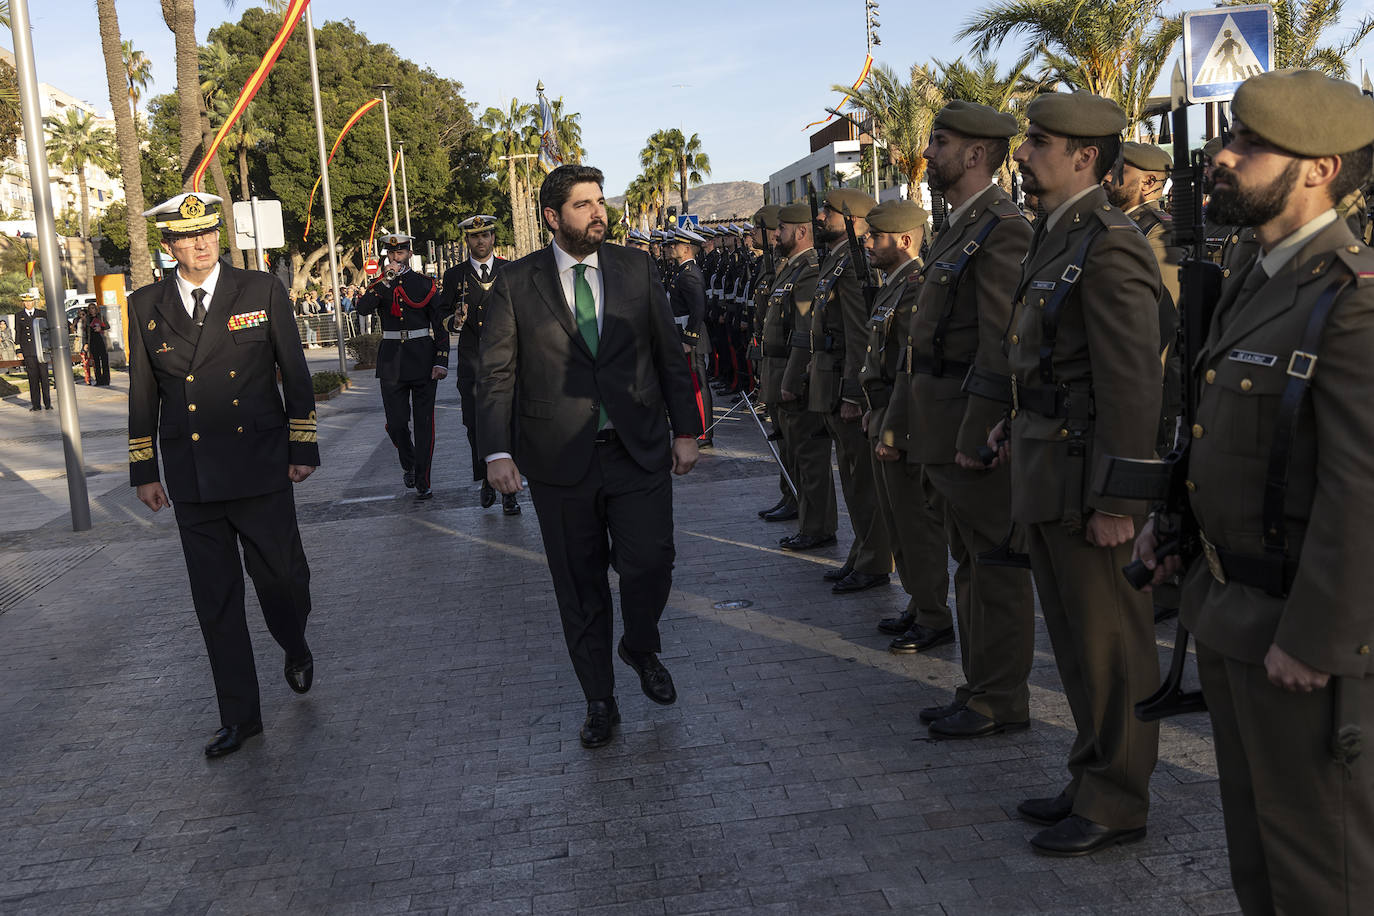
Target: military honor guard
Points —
{"points": [[466, 289], [1281, 483], [1083, 349], [583, 382], [206, 346], [963, 303], [412, 358], [27, 340], [687, 297], [766, 228]]}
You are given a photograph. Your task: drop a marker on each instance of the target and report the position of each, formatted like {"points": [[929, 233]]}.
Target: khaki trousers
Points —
{"points": [[871, 551], [918, 541], [809, 446]]}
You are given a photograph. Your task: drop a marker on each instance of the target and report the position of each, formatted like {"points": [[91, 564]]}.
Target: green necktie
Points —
{"points": [[585, 308]]}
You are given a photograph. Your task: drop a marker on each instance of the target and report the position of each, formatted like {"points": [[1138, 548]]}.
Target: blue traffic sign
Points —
{"points": [[688, 219], [1224, 47]]}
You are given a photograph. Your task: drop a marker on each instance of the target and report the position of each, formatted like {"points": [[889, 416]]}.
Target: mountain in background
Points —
{"points": [[721, 200]]}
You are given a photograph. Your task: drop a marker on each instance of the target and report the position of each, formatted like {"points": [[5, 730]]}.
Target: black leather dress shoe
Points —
{"points": [[654, 679], [932, 713], [1047, 811], [896, 626], [300, 673], [424, 493], [231, 738], [1078, 836], [599, 727], [967, 723], [920, 638], [835, 575], [408, 478], [858, 582], [806, 541], [488, 497], [509, 504], [780, 504], [785, 514]]}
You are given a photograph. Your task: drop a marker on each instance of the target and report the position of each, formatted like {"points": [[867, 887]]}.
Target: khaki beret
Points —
{"points": [[1146, 156], [974, 120], [857, 201], [1305, 112], [1212, 147], [767, 216], [897, 216], [799, 212], [1077, 114]]}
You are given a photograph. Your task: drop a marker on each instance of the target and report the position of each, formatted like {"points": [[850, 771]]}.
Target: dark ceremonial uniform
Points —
{"points": [[687, 297], [27, 344], [207, 399], [464, 288], [414, 341]]}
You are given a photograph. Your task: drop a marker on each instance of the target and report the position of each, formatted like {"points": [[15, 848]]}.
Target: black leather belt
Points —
{"points": [[607, 435], [1057, 402], [1274, 574], [940, 368], [991, 385], [774, 352], [878, 397]]}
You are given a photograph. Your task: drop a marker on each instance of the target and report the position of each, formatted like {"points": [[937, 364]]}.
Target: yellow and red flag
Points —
{"points": [[357, 116], [868, 65]]}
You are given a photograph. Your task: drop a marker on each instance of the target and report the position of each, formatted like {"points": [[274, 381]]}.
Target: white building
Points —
{"points": [[837, 153]]}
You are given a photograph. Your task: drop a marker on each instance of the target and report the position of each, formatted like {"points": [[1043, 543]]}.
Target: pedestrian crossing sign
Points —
{"points": [[1224, 47]]}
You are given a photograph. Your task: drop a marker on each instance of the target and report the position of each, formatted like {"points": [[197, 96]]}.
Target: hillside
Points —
{"points": [[722, 200]]}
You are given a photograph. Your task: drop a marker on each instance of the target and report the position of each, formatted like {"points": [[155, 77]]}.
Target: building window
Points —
{"points": [[791, 191]]}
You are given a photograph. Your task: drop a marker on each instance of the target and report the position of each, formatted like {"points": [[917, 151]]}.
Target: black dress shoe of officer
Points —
{"points": [[408, 478], [920, 638], [932, 713], [488, 497], [785, 514], [509, 504], [424, 493], [231, 738], [654, 679], [967, 723], [1078, 836], [780, 504], [896, 626], [1047, 811], [858, 582], [602, 718], [806, 541], [300, 673], [835, 575]]}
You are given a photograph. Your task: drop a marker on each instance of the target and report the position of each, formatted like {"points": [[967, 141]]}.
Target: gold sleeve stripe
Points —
{"points": [[298, 435], [140, 454], [142, 440]]}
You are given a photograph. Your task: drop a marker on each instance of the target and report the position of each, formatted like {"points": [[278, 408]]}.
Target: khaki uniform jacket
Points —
{"points": [[1158, 227], [839, 328], [1327, 620], [789, 311], [885, 350], [1107, 344], [939, 418]]}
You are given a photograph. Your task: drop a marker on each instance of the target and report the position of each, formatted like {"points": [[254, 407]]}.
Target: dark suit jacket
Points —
{"points": [[207, 397], [534, 364], [23, 333]]}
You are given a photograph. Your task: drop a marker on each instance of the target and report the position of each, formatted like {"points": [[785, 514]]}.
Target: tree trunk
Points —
{"points": [[180, 16], [305, 265], [682, 186], [126, 138], [243, 171], [522, 247], [236, 257], [86, 230]]}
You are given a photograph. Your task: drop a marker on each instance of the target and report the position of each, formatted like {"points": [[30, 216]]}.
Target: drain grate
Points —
{"points": [[23, 574]]}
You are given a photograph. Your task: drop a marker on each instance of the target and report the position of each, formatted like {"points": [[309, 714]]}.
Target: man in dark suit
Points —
{"points": [[581, 346], [27, 340], [411, 359], [206, 345], [466, 288], [687, 298]]}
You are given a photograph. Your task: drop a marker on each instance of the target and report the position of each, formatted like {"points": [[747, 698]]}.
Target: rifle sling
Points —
{"points": [[1049, 320], [937, 343]]}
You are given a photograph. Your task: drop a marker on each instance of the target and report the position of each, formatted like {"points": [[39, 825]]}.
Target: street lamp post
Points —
{"points": [[871, 32], [390, 157], [405, 187], [324, 186]]}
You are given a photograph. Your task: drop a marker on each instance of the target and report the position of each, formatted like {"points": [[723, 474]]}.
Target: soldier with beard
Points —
{"points": [[772, 264]]}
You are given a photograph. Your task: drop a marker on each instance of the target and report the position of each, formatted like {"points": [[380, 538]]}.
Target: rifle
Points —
{"points": [[1164, 482], [859, 258], [816, 226]]}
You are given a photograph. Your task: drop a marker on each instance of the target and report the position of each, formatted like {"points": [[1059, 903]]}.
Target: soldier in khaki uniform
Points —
{"points": [[964, 302], [765, 236], [1279, 604], [895, 231], [839, 322], [803, 431], [1084, 356]]}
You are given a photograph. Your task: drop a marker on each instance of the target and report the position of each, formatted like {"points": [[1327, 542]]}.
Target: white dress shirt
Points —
{"points": [[490, 265], [185, 287]]}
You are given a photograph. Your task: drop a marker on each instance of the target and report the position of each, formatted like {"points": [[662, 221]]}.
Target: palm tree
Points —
{"points": [[1298, 26], [641, 198], [126, 139], [568, 129], [903, 112], [74, 142], [689, 162], [138, 70], [245, 135], [511, 133], [660, 167]]}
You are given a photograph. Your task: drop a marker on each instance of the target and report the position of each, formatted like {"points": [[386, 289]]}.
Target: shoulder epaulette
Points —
{"points": [[1113, 218], [1359, 260]]}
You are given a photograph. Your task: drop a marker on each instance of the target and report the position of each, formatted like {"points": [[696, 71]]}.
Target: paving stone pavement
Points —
{"points": [[435, 766]]}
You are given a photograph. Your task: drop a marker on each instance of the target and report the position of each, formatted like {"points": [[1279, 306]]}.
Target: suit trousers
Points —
{"points": [[1103, 635], [1299, 825], [401, 400], [997, 619], [696, 360], [619, 515], [467, 399], [38, 381], [871, 550], [809, 445], [917, 537], [210, 537]]}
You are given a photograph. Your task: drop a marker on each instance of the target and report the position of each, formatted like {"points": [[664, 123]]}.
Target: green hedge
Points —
{"points": [[363, 348], [327, 381]]}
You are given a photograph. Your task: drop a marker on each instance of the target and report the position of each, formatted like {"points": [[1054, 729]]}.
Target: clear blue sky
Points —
{"points": [[746, 75]]}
